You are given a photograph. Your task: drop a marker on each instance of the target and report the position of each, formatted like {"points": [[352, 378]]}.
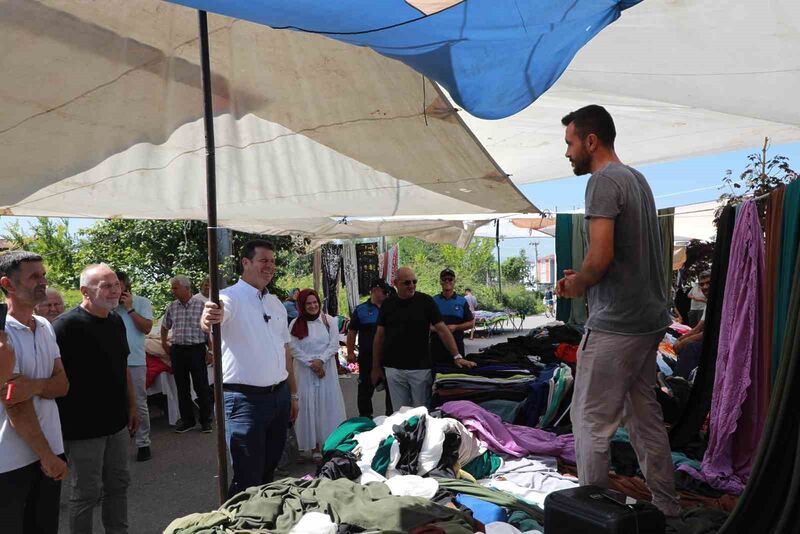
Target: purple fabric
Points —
{"points": [[519, 441], [737, 416]]}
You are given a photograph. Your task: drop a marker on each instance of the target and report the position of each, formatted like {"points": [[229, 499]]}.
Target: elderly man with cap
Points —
{"points": [[456, 314], [363, 323], [51, 308], [402, 345]]}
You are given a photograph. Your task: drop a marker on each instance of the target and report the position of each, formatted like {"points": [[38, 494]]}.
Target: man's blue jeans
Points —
{"points": [[255, 428]]}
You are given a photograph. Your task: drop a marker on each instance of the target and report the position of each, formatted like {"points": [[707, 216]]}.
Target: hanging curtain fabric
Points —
{"points": [[367, 260], [790, 233], [563, 260], [331, 259], [317, 270], [769, 501], [686, 429], [350, 267], [774, 222], [391, 264], [666, 226], [737, 415], [578, 312]]}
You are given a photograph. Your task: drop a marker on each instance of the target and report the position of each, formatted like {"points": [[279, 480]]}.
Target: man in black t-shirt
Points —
{"points": [[401, 343], [98, 414]]}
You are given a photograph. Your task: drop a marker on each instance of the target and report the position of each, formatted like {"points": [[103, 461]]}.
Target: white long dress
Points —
{"points": [[321, 403]]}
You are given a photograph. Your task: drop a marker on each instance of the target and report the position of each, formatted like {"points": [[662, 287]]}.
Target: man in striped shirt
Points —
{"points": [[189, 353]]}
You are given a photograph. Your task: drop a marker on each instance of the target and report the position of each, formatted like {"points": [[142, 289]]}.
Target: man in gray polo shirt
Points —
{"points": [[622, 275]]}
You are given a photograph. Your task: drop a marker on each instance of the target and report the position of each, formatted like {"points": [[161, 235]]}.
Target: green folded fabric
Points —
{"points": [[484, 465], [500, 498], [342, 440], [278, 506], [380, 462]]}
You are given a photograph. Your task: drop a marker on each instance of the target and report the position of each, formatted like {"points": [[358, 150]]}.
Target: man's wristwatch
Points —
{"points": [[458, 357], [295, 396]]}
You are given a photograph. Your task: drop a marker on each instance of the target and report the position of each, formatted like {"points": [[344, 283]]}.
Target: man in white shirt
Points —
{"points": [[32, 459], [137, 314], [698, 297], [257, 368]]}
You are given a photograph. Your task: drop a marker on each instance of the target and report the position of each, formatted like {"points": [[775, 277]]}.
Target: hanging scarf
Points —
{"points": [[300, 327]]}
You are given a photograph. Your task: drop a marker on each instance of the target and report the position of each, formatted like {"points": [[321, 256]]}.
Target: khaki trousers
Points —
{"points": [[615, 385]]}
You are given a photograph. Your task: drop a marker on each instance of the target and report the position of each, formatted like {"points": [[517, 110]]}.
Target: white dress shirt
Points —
{"points": [[253, 348]]}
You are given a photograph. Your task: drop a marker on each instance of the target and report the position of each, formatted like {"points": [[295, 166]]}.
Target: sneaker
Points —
{"points": [[182, 427], [143, 454], [205, 428]]}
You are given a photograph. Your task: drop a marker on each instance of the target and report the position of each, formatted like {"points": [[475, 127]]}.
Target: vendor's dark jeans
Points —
{"points": [[255, 428], [29, 501], [366, 389], [190, 361]]}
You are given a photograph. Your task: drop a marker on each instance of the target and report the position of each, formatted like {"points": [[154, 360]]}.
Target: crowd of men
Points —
{"points": [[72, 393]]}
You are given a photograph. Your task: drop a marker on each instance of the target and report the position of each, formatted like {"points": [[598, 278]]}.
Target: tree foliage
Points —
{"points": [[516, 269], [51, 239], [760, 176]]}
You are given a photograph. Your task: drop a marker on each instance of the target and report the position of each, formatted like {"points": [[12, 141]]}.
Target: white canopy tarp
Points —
{"points": [[100, 116], [681, 79]]}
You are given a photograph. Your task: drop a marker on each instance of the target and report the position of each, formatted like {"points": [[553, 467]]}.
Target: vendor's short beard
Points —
{"points": [[582, 166]]}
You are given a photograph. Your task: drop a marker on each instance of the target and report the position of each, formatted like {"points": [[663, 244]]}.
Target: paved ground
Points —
{"points": [[181, 477]]}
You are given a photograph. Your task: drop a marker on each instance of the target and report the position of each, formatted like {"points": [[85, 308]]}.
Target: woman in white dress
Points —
{"points": [[315, 345]]}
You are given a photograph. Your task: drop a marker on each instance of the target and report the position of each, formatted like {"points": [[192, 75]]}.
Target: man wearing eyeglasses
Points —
{"points": [[257, 368], [456, 314], [402, 346]]}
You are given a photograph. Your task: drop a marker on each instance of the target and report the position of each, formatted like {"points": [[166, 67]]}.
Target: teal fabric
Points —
{"points": [[578, 312], [380, 462], [523, 522], [563, 259], [484, 465], [342, 440], [790, 235], [678, 459], [560, 379], [621, 435], [505, 409]]}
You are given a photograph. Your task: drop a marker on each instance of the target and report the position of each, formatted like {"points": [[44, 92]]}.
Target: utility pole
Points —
{"points": [[536, 264]]}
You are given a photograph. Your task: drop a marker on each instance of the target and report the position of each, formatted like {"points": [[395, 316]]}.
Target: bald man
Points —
{"points": [[51, 308], [98, 415], [401, 343]]}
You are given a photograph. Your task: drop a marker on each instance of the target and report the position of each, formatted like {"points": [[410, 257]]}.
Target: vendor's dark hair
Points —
{"points": [[11, 262], [593, 119], [249, 248]]}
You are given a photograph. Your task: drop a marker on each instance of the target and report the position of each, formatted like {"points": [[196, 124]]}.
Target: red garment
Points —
{"points": [[300, 328], [155, 366], [567, 353]]}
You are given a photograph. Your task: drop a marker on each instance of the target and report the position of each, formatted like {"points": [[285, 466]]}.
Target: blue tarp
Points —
{"points": [[494, 57]]}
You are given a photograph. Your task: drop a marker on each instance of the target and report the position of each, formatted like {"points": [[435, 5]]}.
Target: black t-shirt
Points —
{"points": [[407, 323], [94, 352]]}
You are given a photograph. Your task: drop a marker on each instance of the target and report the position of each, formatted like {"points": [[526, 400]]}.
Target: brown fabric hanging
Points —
{"points": [[772, 229]]}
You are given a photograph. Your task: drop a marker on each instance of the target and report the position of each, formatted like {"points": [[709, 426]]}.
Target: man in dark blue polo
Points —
{"points": [[363, 322], [456, 314]]}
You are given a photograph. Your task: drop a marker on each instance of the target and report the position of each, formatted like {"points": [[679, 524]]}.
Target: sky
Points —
{"points": [[677, 183], [674, 184]]}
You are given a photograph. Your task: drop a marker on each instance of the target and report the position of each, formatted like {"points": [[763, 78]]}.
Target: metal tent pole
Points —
{"points": [[213, 265]]}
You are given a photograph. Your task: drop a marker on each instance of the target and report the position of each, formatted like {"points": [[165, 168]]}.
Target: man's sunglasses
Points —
{"points": [[448, 279], [409, 282]]}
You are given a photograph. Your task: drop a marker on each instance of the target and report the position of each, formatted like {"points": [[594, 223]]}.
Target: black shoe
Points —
{"points": [[205, 428], [182, 427], [144, 454]]}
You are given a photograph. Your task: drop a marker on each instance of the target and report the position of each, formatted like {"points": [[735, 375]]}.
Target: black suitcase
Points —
{"points": [[594, 510]]}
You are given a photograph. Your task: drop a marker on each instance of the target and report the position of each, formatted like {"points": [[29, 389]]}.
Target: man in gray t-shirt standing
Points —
{"points": [[622, 276]]}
